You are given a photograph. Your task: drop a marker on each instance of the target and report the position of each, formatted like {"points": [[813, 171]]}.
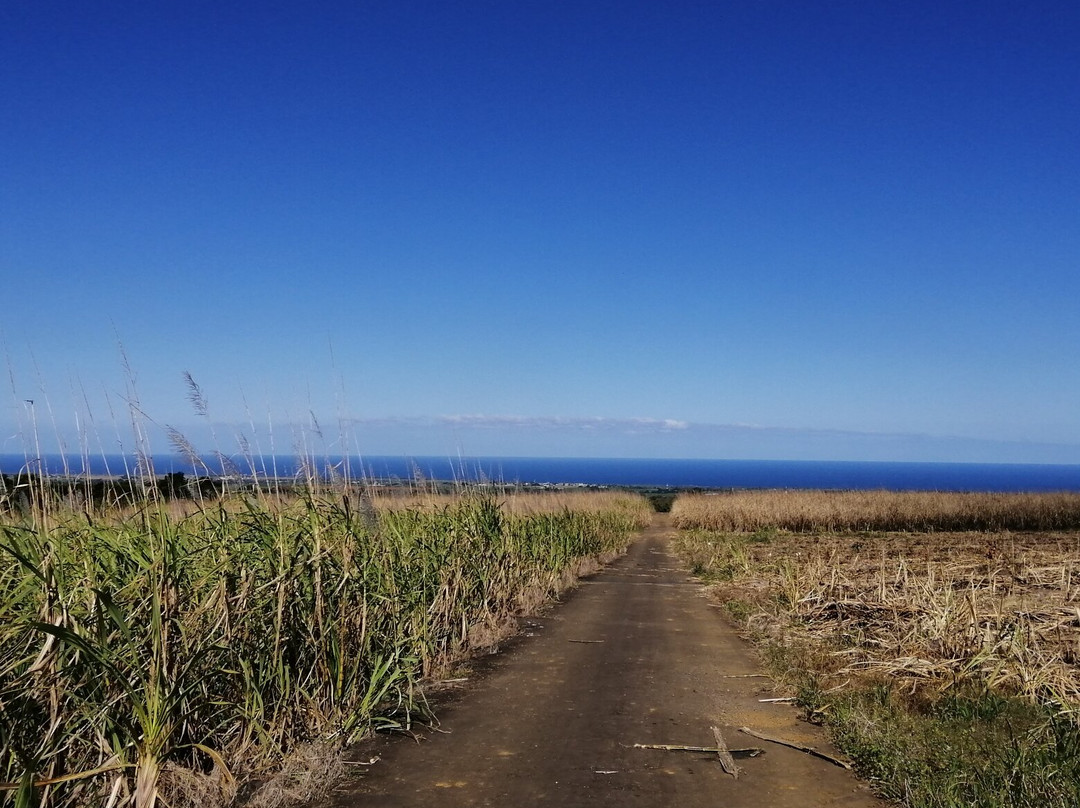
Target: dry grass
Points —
{"points": [[945, 663], [1002, 610], [826, 511]]}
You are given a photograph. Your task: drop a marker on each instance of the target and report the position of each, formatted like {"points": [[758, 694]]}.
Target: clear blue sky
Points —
{"points": [[841, 230]]}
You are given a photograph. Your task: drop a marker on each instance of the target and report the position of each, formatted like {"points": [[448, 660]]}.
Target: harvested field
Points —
{"points": [[945, 662], [1000, 609]]}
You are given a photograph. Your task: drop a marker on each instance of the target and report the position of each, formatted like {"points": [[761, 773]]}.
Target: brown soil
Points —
{"points": [[636, 655]]}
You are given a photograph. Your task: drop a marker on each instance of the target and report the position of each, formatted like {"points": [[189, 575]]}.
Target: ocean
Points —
{"points": [[723, 474]]}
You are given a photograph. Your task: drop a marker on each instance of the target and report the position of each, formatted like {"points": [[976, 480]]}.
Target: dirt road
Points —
{"points": [[635, 655]]}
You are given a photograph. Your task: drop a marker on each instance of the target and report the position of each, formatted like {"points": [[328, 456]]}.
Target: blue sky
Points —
{"points": [[844, 230]]}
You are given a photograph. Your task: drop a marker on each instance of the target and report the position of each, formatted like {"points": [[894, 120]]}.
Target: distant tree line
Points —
{"points": [[24, 490]]}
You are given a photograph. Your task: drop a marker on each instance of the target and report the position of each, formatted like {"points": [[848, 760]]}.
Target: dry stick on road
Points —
{"points": [[726, 760], [808, 749], [750, 751]]}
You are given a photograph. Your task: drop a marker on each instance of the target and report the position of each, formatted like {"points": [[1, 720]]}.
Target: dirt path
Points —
{"points": [[635, 655]]}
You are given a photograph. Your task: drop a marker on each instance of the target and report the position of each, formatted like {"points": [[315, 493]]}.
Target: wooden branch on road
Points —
{"points": [[808, 749]]}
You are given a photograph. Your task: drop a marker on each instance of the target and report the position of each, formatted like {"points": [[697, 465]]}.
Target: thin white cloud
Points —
{"points": [[569, 435], [532, 422]]}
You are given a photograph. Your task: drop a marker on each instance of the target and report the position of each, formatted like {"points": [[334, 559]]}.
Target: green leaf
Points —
{"points": [[26, 796]]}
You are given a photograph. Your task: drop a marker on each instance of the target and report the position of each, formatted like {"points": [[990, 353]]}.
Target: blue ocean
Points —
{"points": [[722, 474]]}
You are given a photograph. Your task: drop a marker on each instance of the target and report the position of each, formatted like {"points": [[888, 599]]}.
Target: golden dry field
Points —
{"points": [[938, 640], [909, 511]]}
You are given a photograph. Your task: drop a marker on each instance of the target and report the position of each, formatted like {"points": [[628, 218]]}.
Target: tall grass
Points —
{"points": [[145, 649], [809, 511]]}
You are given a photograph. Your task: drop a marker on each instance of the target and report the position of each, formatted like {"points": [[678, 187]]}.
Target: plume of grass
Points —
{"points": [[182, 446], [196, 396]]}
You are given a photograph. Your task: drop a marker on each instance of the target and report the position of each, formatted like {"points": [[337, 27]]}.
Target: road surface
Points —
{"points": [[635, 655]]}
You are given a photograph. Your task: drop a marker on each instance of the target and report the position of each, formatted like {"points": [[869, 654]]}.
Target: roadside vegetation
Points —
{"points": [[936, 635], [221, 650]]}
